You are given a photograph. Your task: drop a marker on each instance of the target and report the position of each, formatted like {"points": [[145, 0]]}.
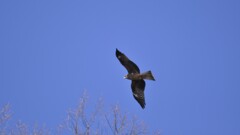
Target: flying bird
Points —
{"points": [[138, 83]]}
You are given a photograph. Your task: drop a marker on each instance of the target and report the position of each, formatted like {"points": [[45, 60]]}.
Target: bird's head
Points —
{"points": [[128, 76]]}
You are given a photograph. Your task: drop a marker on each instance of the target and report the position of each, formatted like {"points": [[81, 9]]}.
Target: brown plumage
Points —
{"points": [[138, 83]]}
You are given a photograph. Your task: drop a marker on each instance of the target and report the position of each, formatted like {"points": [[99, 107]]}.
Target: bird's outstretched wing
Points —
{"points": [[138, 87], [128, 64]]}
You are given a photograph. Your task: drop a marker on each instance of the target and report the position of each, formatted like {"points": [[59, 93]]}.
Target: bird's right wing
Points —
{"points": [[138, 87]]}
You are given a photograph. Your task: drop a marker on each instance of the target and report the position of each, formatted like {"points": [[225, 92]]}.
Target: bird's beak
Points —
{"points": [[125, 77]]}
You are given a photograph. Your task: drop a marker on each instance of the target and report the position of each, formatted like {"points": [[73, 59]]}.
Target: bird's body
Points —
{"points": [[138, 83], [137, 76]]}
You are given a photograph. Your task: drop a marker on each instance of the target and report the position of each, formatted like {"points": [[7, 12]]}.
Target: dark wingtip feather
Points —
{"points": [[118, 52], [143, 106]]}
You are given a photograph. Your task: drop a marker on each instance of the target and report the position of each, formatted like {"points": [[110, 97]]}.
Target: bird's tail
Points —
{"points": [[148, 75]]}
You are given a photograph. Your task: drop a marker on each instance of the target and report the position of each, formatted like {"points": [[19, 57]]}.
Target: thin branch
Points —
{"points": [[109, 124], [115, 120], [5, 114]]}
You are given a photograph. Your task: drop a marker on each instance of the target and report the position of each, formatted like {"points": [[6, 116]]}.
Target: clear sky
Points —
{"points": [[51, 51]]}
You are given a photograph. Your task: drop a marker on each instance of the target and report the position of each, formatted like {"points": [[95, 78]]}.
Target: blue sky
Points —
{"points": [[51, 51]]}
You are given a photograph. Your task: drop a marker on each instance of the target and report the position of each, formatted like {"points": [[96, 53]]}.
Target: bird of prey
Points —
{"points": [[138, 83]]}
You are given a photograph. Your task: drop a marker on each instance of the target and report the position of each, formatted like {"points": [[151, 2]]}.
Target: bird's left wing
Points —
{"points": [[128, 64]]}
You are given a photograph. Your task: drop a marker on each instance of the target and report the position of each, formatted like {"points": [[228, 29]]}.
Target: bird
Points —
{"points": [[138, 84]]}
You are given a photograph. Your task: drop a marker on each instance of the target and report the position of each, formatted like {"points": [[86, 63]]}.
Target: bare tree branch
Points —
{"points": [[109, 124], [80, 122], [79, 115], [5, 114]]}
